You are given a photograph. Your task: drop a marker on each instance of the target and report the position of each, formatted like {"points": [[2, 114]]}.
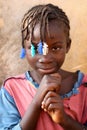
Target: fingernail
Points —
{"points": [[42, 102]]}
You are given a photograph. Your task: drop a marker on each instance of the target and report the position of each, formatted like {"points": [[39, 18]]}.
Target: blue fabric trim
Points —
{"points": [[74, 91], [28, 77]]}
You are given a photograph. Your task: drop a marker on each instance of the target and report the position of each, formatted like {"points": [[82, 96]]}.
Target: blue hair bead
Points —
{"points": [[23, 53], [33, 51], [40, 48]]}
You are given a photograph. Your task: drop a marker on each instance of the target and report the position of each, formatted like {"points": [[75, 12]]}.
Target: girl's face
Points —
{"points": [[58, 47]]}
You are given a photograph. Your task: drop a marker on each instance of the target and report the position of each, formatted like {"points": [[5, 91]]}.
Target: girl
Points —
{"points": [[46, 97]]}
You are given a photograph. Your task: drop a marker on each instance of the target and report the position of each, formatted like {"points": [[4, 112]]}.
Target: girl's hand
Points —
{"points": [[53, 105], [51, 82]]}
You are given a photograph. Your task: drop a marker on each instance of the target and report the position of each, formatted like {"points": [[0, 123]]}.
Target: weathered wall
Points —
{"points": [[11, 13]]}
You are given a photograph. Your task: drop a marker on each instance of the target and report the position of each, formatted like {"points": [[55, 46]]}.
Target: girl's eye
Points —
{"points": [[56, 48]]}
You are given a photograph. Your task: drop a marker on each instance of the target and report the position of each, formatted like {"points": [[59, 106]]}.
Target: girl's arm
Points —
{"points": [[71, 124]]}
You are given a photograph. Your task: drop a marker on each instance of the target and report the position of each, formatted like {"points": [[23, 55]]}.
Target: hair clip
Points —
{"points": [[45, 48], [33, 51], [40, 48], [23, 53]]}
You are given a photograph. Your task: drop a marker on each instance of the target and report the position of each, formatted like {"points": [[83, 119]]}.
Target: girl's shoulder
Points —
{"points": [[14, 79], [15, 84]]}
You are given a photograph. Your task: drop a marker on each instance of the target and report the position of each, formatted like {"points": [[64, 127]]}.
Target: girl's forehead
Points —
{"points": [[36, 32], [55, 30]]}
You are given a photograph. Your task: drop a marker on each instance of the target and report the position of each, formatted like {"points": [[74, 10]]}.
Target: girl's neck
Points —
{"points": [[68, 80], [36, 77]]}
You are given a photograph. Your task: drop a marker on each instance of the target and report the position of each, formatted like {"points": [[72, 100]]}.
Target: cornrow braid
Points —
{"points": [[42, 14]]}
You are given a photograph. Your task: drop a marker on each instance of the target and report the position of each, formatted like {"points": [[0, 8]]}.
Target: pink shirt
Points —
{"points": [[23, 92]]}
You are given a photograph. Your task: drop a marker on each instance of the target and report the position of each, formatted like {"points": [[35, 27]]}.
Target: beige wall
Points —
{"points": [[11, 13]]}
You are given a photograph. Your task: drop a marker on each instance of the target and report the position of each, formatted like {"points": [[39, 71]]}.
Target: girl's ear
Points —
{"points": [[68, 45]]}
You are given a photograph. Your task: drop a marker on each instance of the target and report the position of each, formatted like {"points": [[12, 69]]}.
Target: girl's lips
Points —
{"points": [[47, 70]]}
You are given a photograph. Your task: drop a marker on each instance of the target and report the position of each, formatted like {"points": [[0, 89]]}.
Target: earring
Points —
{"points": [[45, 48], [33, 51], [40, 48], [23, 53]]}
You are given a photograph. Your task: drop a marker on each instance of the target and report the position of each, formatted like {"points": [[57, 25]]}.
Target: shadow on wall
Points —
{"points": [[10, 40], [10, 35]]}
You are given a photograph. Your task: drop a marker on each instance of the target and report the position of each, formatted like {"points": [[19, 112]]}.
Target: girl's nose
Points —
{"points": [[45, 59]]}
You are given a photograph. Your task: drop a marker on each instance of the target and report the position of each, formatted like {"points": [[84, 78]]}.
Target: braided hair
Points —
{"points": [[42, 14]]}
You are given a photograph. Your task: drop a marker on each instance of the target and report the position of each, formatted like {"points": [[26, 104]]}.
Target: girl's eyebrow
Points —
{"points": [[57, 42]]}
